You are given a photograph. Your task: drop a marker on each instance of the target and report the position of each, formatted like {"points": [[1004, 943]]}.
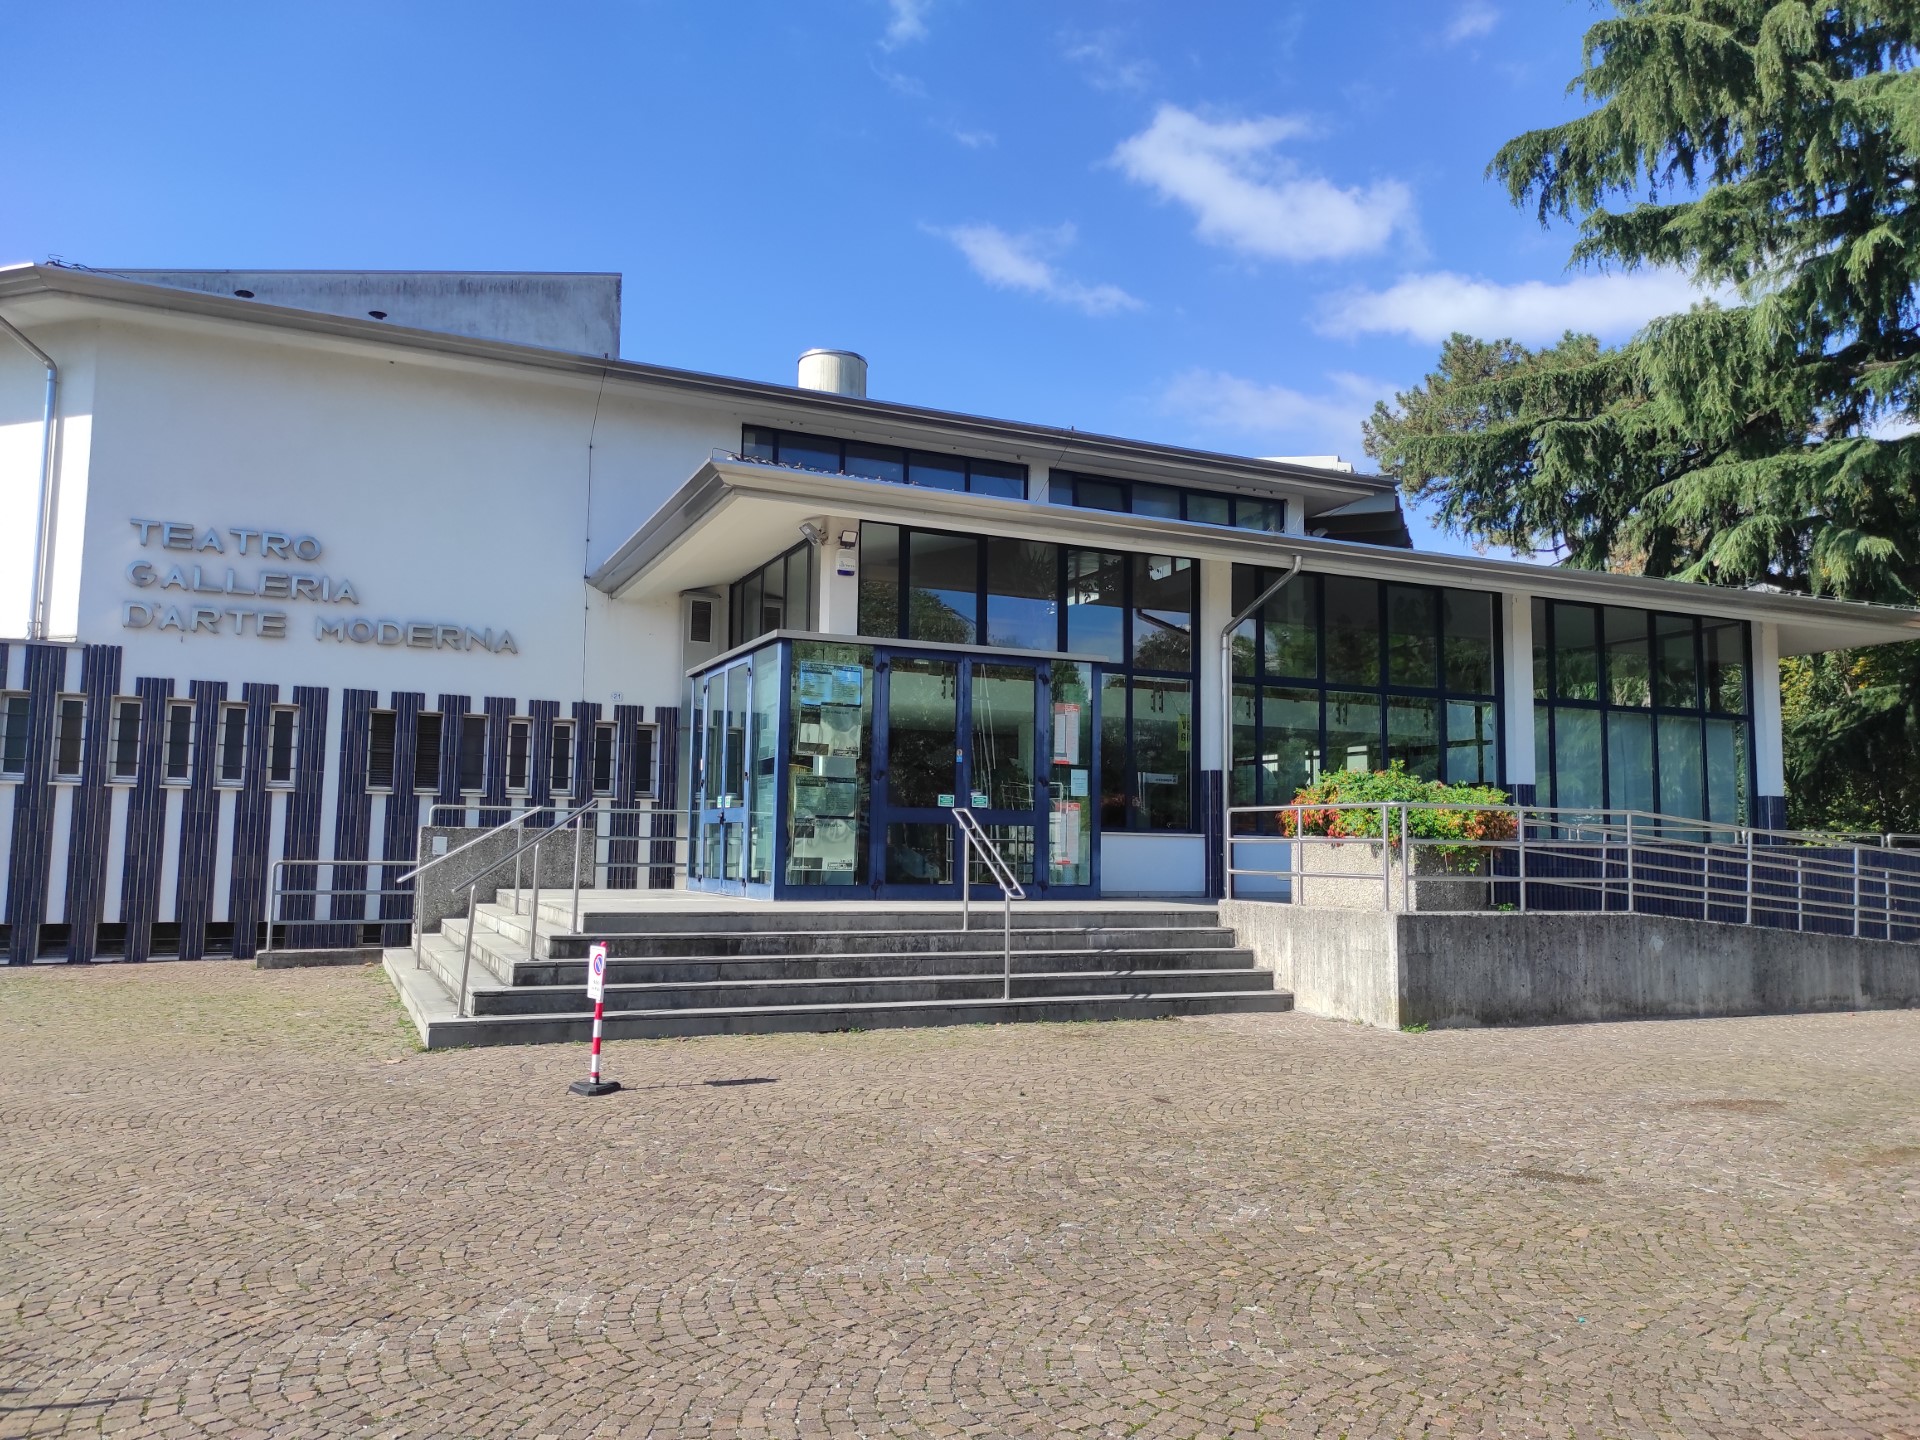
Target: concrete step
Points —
{"points": [[442, 1029], [509, 934], [799, 917], [880, 989], [702, 969]]}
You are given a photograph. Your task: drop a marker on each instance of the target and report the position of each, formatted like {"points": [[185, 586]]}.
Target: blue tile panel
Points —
{"points": [[400, 834], [200, 821], [146, 841], [539, 750], [252, 826], [453, 710], [666, 720], [500, 711], [31, 860], [352, 822], [92, 820], [624, 828], [305, 810]]}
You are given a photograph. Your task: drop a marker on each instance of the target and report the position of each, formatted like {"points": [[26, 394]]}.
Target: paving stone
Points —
{"points": [[236, 1202]]}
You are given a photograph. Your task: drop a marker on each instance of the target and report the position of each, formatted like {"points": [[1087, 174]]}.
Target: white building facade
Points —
{"points": [[297, 558]]}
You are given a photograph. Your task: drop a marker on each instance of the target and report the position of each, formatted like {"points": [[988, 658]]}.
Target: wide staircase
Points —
{"points": [[752, 969]]}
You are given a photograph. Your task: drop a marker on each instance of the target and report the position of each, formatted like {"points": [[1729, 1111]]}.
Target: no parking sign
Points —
{"points": [[596, 992]]}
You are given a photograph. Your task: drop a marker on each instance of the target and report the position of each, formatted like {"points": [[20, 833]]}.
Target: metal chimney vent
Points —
{"points": [[838, 372]]}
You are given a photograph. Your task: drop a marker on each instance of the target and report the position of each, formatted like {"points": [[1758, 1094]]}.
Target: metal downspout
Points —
{"points": [[43, 518], [1226, 720]]}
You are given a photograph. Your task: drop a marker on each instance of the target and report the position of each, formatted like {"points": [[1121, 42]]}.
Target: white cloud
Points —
{"points": [[1322, 423], [971, 139], [906, 23], [1020, 262], [1430, 307], [1247, 198], [1474, 18], [1101, 59]]}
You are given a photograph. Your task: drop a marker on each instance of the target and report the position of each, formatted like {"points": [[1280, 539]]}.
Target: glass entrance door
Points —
{"points": [[735, 729], [1012, 740]]}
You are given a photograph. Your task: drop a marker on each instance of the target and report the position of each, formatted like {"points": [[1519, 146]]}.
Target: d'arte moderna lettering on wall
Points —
{"points": [[265, 581]]}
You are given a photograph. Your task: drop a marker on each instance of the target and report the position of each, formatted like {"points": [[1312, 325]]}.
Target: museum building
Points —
{"points": [[293, 562]]}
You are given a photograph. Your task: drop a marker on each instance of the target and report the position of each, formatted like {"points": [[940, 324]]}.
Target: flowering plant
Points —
{"points": [[1468, 816]]}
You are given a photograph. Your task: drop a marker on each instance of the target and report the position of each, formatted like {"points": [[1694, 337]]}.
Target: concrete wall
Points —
{"points": [[576, 312], [1498, 969], [444, 891], [1340, 963]]}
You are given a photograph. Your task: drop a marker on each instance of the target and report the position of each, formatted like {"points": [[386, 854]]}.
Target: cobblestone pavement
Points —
{"points": [[235, 1203]]}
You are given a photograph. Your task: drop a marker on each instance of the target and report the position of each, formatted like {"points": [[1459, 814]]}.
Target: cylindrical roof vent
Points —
{"points": [[838, 372]]}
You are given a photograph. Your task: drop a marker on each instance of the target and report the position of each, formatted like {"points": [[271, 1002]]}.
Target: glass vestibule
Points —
{"points": [[854, 756]]}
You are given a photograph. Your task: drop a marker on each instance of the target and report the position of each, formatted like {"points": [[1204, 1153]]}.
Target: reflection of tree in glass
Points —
{"points": [[1160, 644], [931, 618]]}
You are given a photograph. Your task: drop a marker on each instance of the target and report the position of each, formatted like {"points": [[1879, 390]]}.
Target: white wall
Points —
{"points": [[446, 492]]}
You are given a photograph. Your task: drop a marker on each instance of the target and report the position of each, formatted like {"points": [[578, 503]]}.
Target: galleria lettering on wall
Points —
{"points": [[271, 584]]}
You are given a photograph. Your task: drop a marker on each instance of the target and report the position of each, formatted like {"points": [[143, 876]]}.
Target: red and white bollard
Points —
{"points": [[596, 992]]}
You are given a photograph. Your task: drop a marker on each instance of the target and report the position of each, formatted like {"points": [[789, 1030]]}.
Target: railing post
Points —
{"points": [[579, 833], [1006, 945], [966, 866], [273, 888], [516, 881], [1386, 861], [466, 954], [1749, 919], [1406, 864], [1630, 895], [1799, 890], [1520, 834], [533, 910], [1856, 892], [1296, 866]]}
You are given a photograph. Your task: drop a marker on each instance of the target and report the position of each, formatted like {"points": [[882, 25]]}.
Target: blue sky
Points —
{"points": [[1232, 225]]}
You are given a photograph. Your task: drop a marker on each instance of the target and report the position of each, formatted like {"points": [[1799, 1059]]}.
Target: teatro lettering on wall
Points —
{"points": [[162, 613]]}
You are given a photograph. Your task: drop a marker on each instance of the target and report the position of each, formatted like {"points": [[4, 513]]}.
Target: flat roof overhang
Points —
{"points": [[56, 293], [735, 514]]}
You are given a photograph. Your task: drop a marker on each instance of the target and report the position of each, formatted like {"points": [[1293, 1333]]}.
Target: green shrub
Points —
{"points": [[1471, 822]]}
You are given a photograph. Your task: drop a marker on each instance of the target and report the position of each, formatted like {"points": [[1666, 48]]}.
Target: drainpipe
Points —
{"points": [[1226, 719], [43, 519]]}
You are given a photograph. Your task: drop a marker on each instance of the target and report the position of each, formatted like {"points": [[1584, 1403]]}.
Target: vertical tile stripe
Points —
{"points": [[500, 710], [353, 817], [146, 821], [399, 833], [252, 826], [624, 827], [666, 719], [304, 813], [200, 821], [27, 870], [92, 804]]}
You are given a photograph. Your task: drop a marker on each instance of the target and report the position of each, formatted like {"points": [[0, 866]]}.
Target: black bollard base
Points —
{"points": [[594, 1087]]}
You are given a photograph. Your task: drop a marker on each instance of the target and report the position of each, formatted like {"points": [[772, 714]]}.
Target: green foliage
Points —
{"points": [[1394, 785], [1771, 150]]}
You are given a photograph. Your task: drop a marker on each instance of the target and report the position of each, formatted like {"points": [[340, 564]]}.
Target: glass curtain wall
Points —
{"points": [[1338, 672], [1134, 613], [1638, 710], [777, 596]]}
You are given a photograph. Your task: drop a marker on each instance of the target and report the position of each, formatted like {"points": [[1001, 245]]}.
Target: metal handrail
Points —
{"points": [[533, 921], [1716, 868], [973, 834]]}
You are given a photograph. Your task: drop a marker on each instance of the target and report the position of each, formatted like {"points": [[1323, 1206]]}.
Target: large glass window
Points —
{"points": [[1642, 711], [1168, 502], [1133, 613], [777, 596], [1353, 674], [898, 466]]}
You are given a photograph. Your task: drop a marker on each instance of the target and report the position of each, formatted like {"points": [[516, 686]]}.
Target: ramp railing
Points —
{"points": [[1437, 856]]}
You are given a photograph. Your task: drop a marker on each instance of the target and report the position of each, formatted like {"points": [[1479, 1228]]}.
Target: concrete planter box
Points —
{"points": [[1346, 875]]}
